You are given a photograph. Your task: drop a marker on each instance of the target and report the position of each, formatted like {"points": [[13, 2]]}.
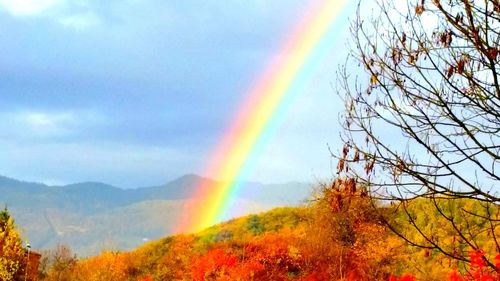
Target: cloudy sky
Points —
{"points": [[137, 93]]}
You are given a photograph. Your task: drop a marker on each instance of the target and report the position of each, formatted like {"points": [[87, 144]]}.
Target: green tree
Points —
{"points": [[11, 251]]}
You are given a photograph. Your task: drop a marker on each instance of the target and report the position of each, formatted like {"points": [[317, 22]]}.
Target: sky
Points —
{"points": [[137, 93]]}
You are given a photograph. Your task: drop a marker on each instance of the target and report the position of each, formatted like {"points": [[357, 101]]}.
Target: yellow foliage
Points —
{"points": [[106, 267], [11, 251]]}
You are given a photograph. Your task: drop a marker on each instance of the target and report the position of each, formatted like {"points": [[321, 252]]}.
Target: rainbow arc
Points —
{"points": [[260, 114]]}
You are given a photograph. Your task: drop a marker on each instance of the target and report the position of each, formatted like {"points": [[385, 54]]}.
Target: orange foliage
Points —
{"points": [[108, 266], [347, 241], [175, 264], [341, 239]]}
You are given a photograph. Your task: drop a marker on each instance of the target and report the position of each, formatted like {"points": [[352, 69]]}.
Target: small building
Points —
{"points": [[30, 272]]}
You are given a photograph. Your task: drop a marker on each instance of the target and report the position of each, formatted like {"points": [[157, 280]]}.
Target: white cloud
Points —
{"points": [[39, 125], [35, 119], [60, 11], [28, 7], [80, 21]]}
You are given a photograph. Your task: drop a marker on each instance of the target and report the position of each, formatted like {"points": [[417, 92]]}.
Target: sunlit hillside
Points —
{"points": [[338, 236]]}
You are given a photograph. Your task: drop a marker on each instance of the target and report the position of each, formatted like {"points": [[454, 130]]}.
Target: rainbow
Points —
{"points": [[260, 114]]}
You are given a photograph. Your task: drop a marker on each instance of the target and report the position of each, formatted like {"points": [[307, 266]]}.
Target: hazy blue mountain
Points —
{"points": [[92, 216]]}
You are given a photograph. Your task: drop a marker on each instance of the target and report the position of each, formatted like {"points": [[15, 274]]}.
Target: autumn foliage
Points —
{"points": [[337, 237], [340, 235], [12, 255], [478, 269]]}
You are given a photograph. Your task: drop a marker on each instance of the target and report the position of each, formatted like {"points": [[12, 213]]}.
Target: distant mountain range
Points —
{"points": [[94, 216]]}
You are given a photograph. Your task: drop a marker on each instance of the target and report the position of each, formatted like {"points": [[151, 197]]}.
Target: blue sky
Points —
{"points": [[137, 93]]}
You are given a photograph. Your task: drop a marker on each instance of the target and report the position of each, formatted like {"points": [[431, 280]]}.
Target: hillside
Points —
{"points": [[170, 258], [301, 243], [338, 237], [93, 216]]}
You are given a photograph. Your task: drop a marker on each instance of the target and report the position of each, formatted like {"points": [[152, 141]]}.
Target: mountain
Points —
{"points": [[94, 216]]}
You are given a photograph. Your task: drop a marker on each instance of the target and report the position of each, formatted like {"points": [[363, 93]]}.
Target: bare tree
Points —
{"points": [[422, 118], [56, 264]]}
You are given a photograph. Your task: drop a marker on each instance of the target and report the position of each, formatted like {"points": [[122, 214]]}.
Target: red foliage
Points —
{"points": [[214, 264], [478, 270], [497, 261], [269, 257], [404, 277], [455, 276], [316, 276], [248, 269], [476, 258]]}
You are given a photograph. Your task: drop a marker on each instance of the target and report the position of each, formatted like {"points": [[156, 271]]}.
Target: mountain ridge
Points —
{"points": [[87, 214]]}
